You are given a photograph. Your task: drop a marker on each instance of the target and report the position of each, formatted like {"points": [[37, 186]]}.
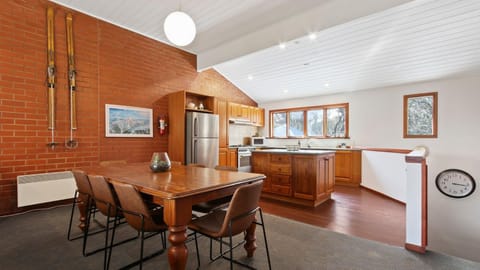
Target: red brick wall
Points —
{"points": [[114, 66]]}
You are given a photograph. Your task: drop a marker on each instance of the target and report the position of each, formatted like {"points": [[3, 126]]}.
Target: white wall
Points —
{"points": [[386, 173], [376, 120]]}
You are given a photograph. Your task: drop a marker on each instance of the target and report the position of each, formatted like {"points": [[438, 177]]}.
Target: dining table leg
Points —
{"points": [[250, 238], [177, 215], [82, 207]]}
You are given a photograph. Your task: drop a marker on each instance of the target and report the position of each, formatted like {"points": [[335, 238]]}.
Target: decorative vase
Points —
{"points": [[160, 162]]}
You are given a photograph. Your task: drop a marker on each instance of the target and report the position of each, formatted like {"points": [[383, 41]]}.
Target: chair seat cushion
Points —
{"points": [[209, 224], [207, 207]]}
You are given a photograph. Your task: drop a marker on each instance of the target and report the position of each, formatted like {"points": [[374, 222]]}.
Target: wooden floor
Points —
{"points": [[353, 211]]}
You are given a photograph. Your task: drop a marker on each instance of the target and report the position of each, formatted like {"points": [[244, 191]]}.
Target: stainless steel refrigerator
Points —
{"points": [[202, 139]]}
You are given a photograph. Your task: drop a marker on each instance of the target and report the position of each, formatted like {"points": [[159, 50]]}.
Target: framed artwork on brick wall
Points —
{"points": [[127, 121], [420, 115]]}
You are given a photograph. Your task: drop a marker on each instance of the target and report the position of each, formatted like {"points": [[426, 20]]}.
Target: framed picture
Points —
{"points": [[126, 121], [420, 115]]}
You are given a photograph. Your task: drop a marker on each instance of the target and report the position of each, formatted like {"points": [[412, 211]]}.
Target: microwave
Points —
{"points": [[257, 141]]}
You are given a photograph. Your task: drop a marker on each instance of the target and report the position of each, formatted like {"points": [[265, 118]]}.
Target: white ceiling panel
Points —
{"points": [[417, 41], [385, 43]]}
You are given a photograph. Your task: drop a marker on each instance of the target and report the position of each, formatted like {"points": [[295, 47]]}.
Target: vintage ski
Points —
{"points": [[71, 72], [51, 67], [72, 85], [51, 74]]}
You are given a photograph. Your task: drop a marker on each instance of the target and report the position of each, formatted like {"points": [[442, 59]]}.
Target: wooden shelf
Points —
{"points": [[198, 110]]}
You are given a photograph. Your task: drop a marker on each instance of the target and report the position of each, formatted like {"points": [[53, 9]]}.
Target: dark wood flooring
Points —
{"points": [[354, 211]]}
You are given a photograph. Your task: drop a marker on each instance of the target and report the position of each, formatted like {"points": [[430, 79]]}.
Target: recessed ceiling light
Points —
{"points": [[250, 77], [312, 36], [326, 85], [285, 90], [282, 45]]}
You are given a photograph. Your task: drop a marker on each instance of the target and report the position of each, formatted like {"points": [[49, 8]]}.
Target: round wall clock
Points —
{"points": [[455, 183]]}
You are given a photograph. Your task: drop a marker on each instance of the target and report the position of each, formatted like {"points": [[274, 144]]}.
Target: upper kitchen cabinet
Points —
{"points": [[238, 112], [246, 114], [257, 116], [178, 104]]}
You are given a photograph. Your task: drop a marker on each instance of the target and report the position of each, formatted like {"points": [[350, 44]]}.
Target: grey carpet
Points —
{"points": [[37, 240]]}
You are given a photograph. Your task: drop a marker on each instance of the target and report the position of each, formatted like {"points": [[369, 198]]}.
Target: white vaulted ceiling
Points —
{"points": [[359, 44]]}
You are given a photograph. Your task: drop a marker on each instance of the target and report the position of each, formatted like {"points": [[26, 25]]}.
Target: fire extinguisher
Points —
{"points": [[162, 125]]}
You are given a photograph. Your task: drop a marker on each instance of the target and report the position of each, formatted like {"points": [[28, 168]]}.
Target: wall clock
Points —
{"points": [[455, 183]]}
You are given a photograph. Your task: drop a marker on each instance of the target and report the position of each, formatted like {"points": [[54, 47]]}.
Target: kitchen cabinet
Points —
{"points": [[348, 167], [223, 156], [220, 108], [177, 107], [232, 159], [280, 172], [227, 157], [238, 112], [260, 164], [295, 177], [247, 114], [257, 116]]}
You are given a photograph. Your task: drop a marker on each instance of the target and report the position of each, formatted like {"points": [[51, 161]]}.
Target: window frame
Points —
{"points": [[305, 121]]}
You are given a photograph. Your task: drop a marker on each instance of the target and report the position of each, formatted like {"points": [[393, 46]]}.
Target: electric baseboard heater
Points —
{"points": [[46, 187]]}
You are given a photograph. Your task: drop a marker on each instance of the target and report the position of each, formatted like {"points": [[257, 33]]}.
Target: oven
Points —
{"points": [[244, 162]]}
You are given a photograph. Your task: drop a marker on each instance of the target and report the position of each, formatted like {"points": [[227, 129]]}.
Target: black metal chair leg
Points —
{"points": [[198, 252], [265, 239], [71, 215]]}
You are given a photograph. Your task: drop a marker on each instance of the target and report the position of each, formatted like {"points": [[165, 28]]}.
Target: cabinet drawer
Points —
{"points": [[280, 179], [282, 190], [280, 159], [280, 168]]}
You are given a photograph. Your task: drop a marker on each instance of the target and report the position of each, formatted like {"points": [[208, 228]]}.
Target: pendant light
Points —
{"points": [[179, 28]]}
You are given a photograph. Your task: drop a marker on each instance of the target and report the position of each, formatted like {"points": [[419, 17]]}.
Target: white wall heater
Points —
{"points": [[45, 187]]}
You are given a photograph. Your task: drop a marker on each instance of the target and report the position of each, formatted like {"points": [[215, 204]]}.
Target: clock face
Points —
{"points": [[455, 183]]}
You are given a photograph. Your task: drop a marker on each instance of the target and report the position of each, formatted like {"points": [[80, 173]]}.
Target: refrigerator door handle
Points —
{"points": [[195, 127], [194, 152]]}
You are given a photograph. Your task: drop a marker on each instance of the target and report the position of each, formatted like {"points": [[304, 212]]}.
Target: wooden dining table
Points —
{"points": [[177, 190]]}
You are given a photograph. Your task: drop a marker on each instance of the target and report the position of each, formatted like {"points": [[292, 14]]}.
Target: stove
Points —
{"points": [[244, 157]]}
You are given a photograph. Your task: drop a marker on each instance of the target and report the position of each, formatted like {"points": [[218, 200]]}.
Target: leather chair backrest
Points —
{"points": [[83, 184], [132, 202], [103, 195], [244, 200]]}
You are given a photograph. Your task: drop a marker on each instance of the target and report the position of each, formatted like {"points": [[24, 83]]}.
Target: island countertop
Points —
{"points": [[294, 152]]}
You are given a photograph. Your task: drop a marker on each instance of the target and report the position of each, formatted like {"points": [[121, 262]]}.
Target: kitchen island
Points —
{"points": [[305, 177]]}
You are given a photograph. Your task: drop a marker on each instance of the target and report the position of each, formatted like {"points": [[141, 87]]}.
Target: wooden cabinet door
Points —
{"points": [[343, 165], [329, 167], [223, 157], [221, 110], [232, 158], [260, 117], [245, 112], [176, 126], [260, 164], [234, 111], [305, 178], [253, 115]]}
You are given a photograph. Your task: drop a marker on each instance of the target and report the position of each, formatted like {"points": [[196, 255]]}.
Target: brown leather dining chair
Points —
{"points": [[84, 189], [106, 202], [140, 217], [239, 216], [209, 206]]}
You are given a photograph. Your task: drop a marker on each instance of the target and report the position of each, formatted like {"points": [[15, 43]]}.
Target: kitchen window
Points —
{"points": [[325, 121]]}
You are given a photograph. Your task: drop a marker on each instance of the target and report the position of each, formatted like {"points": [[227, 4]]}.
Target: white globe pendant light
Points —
{"points": [[179, 28]]}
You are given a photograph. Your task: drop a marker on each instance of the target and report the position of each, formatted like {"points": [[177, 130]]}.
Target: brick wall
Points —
{"points": [[114, 66]]}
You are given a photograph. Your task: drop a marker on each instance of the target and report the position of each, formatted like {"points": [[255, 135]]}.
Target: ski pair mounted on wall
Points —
{"points": [[71, 143]]}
